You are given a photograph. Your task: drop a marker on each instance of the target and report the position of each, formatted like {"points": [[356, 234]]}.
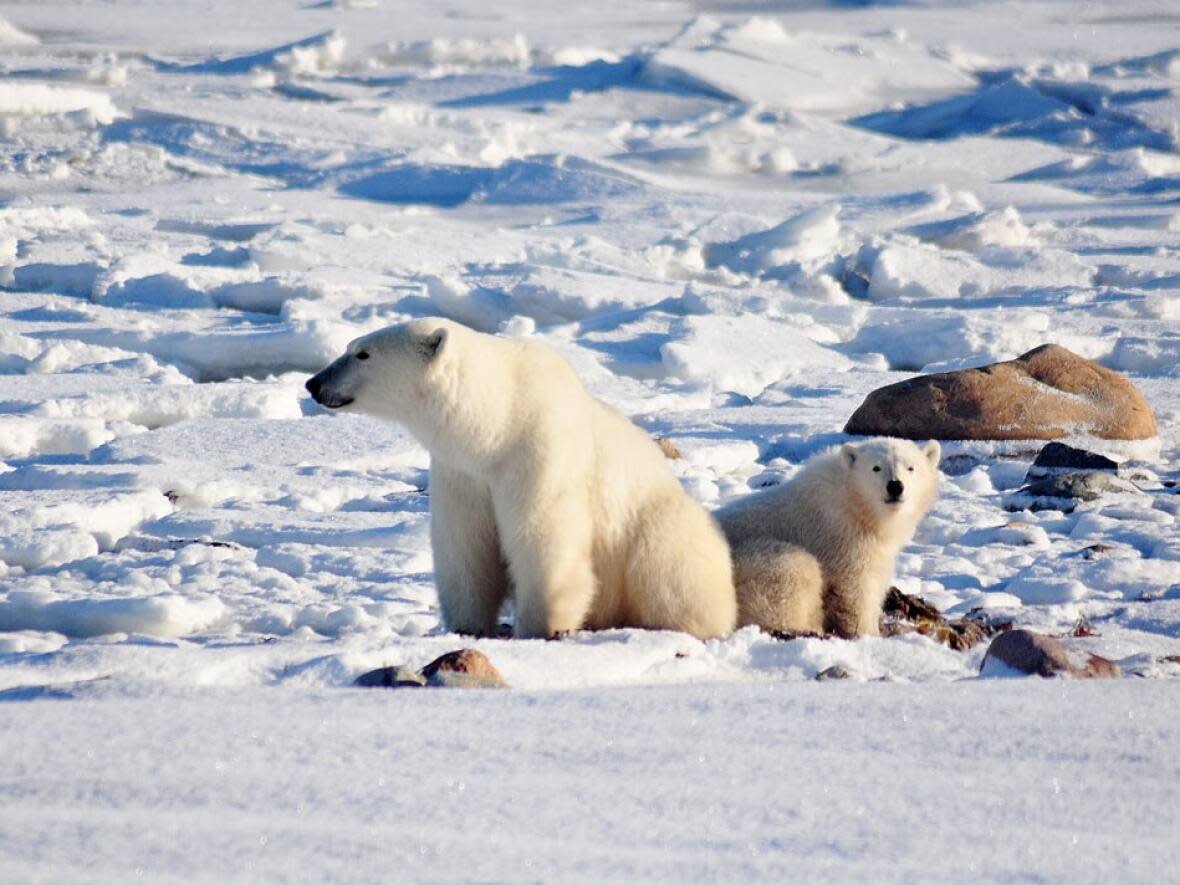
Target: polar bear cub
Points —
{"points": [[817, 553], [537, 489]]}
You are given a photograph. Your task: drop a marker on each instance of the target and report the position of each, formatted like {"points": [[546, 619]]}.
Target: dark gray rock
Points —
{"points": [[959, 464], [1057, 458], [836, 671], [1040, 655], [1063, 491], [391, 677]]}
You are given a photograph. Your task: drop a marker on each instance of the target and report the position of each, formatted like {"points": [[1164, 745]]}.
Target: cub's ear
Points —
{"points": [[848, 455], [431, 345], [933, 452]]}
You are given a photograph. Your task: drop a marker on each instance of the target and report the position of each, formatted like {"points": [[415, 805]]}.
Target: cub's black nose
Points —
{"points": [[894, 488], [313, 387]]}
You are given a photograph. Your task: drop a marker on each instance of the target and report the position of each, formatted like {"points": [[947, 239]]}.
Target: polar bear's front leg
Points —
{"points": [[469, 569], [549, 557]]}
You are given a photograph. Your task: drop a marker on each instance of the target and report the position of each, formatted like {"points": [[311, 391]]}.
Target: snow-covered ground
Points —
{"points": [[735, 225]]}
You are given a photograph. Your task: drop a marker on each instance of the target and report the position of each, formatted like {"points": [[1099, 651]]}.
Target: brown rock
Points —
{"points": [[1040, 655], [465, 668], [910, 608], [668, 448], [1047, 393], [903, 613]]}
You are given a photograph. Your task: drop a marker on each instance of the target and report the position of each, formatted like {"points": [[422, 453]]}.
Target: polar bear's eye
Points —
{"points": [[877, 469], [911, 470], [362, 355]]}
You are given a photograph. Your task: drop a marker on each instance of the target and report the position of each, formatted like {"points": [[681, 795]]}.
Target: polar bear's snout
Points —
{"points": [[894, 489], [325, 387]]}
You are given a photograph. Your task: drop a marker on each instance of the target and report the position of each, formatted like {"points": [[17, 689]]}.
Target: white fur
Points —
{"points": [[836, 509], [537, 488]]}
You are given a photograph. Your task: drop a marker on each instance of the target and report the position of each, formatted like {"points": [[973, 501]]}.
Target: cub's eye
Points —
{"points": [[911, 470], [362, 355], [877, 469]]}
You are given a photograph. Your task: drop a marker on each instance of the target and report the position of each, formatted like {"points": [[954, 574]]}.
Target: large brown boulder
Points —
{"points": [[1047, 393]]}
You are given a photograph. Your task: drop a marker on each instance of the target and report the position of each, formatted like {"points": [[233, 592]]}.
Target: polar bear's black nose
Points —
{"points": [[894, 488]]}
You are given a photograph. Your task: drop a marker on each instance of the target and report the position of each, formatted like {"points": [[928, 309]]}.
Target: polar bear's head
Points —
{"points": [[893, 478], [390, 373]]}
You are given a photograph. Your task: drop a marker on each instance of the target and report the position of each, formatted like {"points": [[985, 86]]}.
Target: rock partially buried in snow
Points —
{"points": [[464, 668], [903, 613], [1063, 491], [390, 677], [1047, 393], [1057, 457], [836, 671], [1040, 655]]}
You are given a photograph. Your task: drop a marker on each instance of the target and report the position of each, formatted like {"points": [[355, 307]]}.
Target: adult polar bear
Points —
{"points": [[537, 488]]}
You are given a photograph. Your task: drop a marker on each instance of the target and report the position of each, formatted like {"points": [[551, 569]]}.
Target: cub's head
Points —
{"points": [[388, 373], [893, 477]]}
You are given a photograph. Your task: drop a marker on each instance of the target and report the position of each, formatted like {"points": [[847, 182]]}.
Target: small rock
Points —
{"points": [[1047, 393], [1037, 654], [668, 448], [1095, 550], [891, 628], [1063, 491], [958, 465], [903, 613], [911, 608], [391, 677], [1141, 476], [836, 671], [465, 668], [1057, 457], [791, 635]]}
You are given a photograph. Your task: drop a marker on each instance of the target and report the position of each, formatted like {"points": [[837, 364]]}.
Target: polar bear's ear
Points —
{"points": [[933, 452], [848, 455], [432, 345]]}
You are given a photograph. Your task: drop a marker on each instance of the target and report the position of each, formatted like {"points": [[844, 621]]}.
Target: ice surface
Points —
{"points": [[735, 226]]}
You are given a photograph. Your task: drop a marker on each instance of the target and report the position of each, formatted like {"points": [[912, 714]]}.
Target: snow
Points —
{"points": [[31, 99], [10, 35], [735, 227], [301, 785]]}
